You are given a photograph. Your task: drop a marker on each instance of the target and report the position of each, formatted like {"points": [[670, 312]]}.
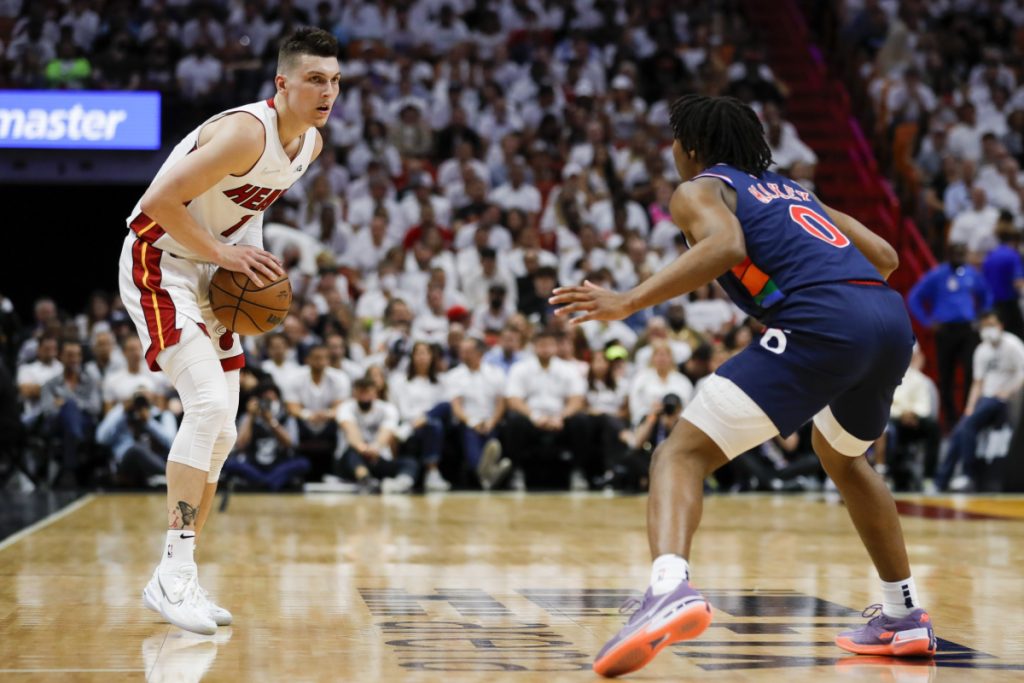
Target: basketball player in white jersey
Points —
{"points": [[204, 210]]}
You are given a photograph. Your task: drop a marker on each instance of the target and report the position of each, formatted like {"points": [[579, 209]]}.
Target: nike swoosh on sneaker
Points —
{"points": [[160, 583]]}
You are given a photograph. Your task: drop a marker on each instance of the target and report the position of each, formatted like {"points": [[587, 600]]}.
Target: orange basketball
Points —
{"points": [[243, 307]]}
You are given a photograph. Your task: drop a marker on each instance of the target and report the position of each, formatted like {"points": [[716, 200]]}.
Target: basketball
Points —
{"points": [[243, 307]]}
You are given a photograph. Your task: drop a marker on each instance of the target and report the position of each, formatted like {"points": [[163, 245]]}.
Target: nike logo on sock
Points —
{"points": [[184, 536]]}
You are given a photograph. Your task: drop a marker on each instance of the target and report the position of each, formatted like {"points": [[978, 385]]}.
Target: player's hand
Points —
{"points": [[596, 303], [251, 261]]}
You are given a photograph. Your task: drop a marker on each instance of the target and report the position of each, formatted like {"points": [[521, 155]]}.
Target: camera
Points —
{"points": [[671, 404]]}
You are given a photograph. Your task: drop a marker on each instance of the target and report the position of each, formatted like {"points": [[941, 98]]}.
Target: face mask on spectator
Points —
{"points": [[365, 405], [991, 334]]}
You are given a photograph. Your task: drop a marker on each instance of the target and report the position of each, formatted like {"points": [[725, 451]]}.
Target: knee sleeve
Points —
{"points": [[228, 433], [197, 375]]}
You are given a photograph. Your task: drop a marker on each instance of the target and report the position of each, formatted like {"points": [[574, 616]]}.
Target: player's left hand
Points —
{"points": [[596, 303]]}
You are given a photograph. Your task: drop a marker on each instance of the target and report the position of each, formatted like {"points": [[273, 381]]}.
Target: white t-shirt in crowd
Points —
{"points": [[381, 415], [479, 391], [648, 387], [300, 388], [414, 397], [605, 400], [281, 374], [545, 390], [1000, 367], [123, 384]]}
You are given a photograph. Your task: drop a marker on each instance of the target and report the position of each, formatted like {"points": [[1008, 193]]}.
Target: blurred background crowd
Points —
{"points": [[481, 153]]}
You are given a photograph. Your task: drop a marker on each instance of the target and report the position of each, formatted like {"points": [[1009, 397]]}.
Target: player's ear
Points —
{"points": [[279, 82]]}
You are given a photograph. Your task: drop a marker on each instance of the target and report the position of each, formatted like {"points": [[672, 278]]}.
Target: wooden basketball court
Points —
{"points": [[498, 588]]}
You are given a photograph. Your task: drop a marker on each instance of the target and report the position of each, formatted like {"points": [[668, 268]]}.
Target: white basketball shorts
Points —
{"points": [[163, 292]]}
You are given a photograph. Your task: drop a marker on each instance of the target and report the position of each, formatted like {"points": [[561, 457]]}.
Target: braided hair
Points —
{"points": [[720, 130]]}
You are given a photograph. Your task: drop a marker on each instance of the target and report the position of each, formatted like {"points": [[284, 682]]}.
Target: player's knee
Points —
{"points": [[212, 407], [221, 449], [678, 455]]}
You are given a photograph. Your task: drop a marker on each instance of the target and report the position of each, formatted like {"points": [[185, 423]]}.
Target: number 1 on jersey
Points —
{"points": [[818, 226]]}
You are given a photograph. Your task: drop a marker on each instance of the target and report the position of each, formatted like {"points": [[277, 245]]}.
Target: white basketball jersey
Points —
{"points": [[228, 207]]}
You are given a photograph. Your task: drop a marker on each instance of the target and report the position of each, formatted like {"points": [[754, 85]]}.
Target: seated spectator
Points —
{"points": [[657, 329], [339, 358], [652, 384], [492, 317], [280, 363], [431, 325], [508, 351], [121, 385], [534, 302], [976, 226], [608, 414], [139, 435], [517, 193], [786, 146], [423, 411], [545, 401], [107, 358], [32, 376], [71, 406], [679, 330], [265, 449], [368, 424], [913, 419], [998, 376], [312, 395], [477, 390], [632, 472]]}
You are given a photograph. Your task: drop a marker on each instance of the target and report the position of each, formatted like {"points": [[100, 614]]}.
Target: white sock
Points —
{"points": [[899, 598], [667, 572], [181, 544]]}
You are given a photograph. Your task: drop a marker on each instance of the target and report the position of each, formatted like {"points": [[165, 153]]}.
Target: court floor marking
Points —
{"points": [[45, 522]]}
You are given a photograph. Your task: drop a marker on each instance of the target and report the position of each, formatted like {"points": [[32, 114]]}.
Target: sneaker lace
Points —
{"points": [[631, 605], [874, 613]]}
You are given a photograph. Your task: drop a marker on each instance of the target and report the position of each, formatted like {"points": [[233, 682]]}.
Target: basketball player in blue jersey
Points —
{"points": [[837, 343]]}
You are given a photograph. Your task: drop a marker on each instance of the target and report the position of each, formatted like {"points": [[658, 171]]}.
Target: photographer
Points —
{"points": [[139, 435], [266, 436], [631, 471]]}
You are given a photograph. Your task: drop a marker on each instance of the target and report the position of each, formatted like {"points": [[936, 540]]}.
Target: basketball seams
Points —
{"points": [[236, 307]]}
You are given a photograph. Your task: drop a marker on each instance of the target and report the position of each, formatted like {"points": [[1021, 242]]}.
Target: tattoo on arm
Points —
{"points": [[184, 516]]}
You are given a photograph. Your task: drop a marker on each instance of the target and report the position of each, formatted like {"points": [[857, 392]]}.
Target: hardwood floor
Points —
{"points": [[471, 587]]}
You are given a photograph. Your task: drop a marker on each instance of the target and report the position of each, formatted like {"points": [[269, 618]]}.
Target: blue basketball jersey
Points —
{"points": [[791, 243]]}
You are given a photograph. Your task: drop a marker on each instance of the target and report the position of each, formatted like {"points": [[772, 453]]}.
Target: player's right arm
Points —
{"points": [[700, 209], [235, 144], [875, 249]]}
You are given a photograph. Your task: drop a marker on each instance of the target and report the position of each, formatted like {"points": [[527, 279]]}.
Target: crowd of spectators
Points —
{"points": [[943, 81], [480, 154]]}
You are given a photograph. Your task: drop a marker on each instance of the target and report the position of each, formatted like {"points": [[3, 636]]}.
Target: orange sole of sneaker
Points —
{"points": [[636, 651], [918, 647]]}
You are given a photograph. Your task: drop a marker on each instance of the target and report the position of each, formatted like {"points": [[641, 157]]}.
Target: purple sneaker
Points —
{"points": [[659, 621], [909, 636]]}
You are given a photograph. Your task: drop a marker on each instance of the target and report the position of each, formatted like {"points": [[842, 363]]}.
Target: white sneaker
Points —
{"points": [[178, 597], [403, 483], [487, 468], [151, 598], [435, 482], [577, 482]]}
